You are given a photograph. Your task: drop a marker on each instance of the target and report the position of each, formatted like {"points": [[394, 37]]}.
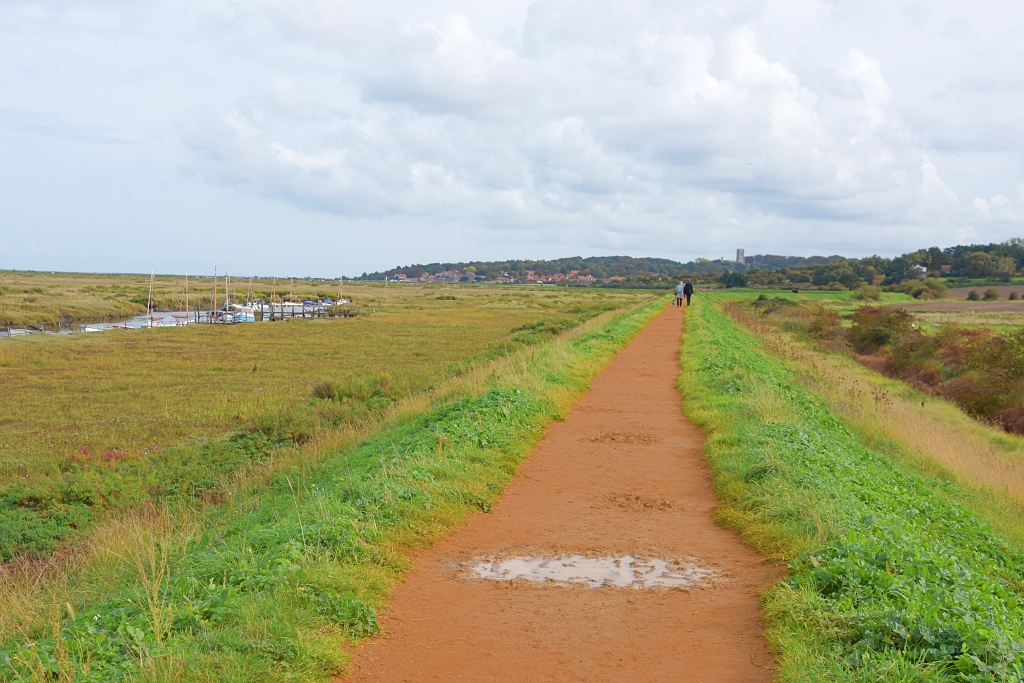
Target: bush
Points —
{"points": [[323, 391], [1013, 296], [921, 289], [991, 295], [972, 295], [771, 304], [874, 327], [825, 323], [867, 293]]}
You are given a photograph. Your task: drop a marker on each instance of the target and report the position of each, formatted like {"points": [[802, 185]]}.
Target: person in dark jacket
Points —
{"points": [[688, 291]]}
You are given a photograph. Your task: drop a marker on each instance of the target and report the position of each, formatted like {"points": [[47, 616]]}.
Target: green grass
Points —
{"points": [[271, 585], [98, 423], [890, 578]]}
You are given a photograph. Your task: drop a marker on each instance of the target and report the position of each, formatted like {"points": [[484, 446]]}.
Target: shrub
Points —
{"points": [[991, 295], [771, 304], [874, 327], [323, 390], [972, 295], [867, 293], [1013, 296], [921, 289], [825, 323]]}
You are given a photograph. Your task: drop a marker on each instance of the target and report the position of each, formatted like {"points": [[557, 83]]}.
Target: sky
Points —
{"points": [[328, 137]]}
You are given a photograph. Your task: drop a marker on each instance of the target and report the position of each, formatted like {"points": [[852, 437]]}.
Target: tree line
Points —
{"points": [[996, 261]]}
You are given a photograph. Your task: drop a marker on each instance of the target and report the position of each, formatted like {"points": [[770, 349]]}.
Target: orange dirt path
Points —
{"points": [[623, 474]]}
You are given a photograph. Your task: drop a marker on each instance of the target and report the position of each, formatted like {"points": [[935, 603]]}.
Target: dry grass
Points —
{"points": [[971, 318], [134, 392]]}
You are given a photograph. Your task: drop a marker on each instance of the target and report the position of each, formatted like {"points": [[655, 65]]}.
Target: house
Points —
{"points": [[448, 276], [946, 269], [586, 278]]}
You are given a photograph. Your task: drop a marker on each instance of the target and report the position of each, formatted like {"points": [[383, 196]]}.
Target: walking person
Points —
{"points": [[687, 292], [679, 295]]}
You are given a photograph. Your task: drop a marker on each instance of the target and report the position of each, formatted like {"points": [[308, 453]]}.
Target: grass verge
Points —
{"points": [[280, 578], [890, 578], [927, 433]]}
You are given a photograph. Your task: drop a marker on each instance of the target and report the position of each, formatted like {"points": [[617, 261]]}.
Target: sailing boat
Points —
{"points": [[182, 319]]}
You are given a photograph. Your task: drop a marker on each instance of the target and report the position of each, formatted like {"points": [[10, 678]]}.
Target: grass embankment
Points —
{"points": [[277, 580], [891, 578], [929, 434], [97, 423]]}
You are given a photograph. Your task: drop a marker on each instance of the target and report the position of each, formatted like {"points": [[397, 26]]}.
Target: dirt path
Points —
{"points": [[624, 474]]}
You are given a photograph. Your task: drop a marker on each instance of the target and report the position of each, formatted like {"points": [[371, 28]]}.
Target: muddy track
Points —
{"points": [[623, 476]]}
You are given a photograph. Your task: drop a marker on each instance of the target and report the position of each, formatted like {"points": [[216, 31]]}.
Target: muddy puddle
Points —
{"points": [[622, 572]]}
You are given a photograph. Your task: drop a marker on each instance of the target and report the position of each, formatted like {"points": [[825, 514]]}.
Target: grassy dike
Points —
{"points": [[890, 580], [285, 575]]}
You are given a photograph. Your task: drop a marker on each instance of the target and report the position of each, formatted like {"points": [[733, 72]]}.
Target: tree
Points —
{"points": [[976, 264], [733, 279]]}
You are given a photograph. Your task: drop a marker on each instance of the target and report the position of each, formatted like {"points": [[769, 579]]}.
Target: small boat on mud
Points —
{"points": [[236, 313]]}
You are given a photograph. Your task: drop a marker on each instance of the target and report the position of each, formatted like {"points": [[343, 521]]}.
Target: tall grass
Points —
{"points": [[271, 584]]}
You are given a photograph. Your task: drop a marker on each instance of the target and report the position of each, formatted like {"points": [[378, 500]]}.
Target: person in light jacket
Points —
{"points": [[687, 292], [680, 288]]}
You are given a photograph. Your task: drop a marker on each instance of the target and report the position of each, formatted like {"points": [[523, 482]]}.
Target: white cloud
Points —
{"points": [[583, 126]]}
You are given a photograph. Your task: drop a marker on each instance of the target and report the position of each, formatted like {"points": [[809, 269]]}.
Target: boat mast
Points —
{"points": [[213, 300], [341, 281], [186, 294], [248, 295], [149, 301]]}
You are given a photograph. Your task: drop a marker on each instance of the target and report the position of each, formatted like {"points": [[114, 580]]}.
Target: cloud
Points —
{"points": [[631, 129], [602, 125]]}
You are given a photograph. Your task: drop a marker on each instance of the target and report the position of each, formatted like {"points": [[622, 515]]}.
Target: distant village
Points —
{"points": [[530, 277]]}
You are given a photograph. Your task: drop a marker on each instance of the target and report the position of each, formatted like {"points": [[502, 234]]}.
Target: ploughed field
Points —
{"points": [[97, 422]]}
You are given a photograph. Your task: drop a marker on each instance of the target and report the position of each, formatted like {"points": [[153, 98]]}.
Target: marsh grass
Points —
{"points": [[287, 571], [96, 423]]}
